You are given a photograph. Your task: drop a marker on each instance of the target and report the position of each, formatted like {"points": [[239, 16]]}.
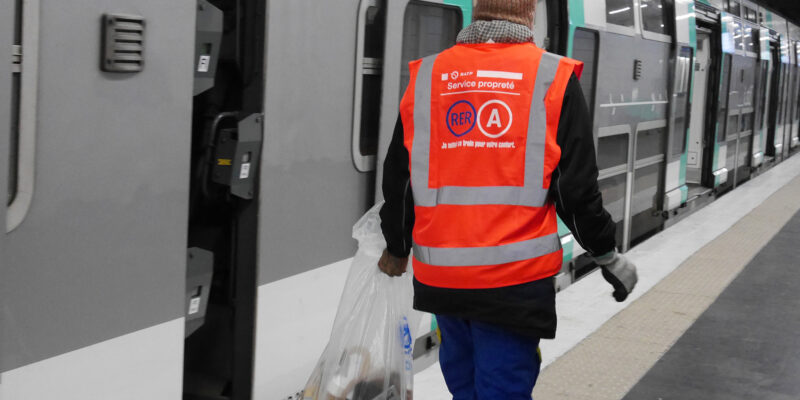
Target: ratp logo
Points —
{"points": [[454, 75]]}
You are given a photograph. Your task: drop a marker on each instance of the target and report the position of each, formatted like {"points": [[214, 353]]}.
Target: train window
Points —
{"points": [[646, 186], [585, 49], [681, 97], [620, 12], [733, 7], [13, 156], [613, 191], [751, 40], [16, 82], [722, 112], [427, 29], [738, 36], [780, 94], [719, 4], [368, 84], [375, 32], [612, 151], [654, 16], [733, 125], [763, 95], [750, 14], [650, 142], [747, 122]]}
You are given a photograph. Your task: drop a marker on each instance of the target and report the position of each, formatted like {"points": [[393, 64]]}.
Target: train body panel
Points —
{"points": [[101, 250], [308, 159], [685, 106], [6, 76]]}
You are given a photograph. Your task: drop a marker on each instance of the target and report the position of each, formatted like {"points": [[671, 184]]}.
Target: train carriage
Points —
{"points": [[181, 179]]}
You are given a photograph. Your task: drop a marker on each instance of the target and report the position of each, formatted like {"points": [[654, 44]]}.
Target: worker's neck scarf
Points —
{"points": [[497, 31]]}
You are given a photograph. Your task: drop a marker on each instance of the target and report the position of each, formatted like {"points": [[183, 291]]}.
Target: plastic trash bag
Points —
{"points": [[369, 355]]}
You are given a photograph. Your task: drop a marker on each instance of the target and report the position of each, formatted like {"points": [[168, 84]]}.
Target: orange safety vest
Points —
{"points": [[480, 128]]}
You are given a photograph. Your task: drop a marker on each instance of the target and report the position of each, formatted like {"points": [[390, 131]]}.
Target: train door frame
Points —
{"points": [[710, 174], [710, 104], [763, 101], [791, 97], [792, 139], [220, 221], [749, 59], [785, 99], [557, 19], [794, 134], [773, 149]]}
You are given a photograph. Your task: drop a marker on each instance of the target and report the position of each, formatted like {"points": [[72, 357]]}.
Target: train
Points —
{"points": [[182, 177]]}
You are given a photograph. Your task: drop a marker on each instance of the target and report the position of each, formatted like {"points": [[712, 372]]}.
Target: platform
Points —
{"points": [[714, 316]]}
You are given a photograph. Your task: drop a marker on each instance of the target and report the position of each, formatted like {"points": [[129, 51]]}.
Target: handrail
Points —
{"points": [[18, 209], [362, 163]]}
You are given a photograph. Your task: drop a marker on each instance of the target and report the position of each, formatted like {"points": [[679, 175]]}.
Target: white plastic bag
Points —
{"points": [[369, 355]]}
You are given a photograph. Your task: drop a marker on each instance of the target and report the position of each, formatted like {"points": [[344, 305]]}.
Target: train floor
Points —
{"points": [[715, 314]]}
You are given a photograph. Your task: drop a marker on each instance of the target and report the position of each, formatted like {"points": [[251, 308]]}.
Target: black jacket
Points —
{"points": [[528, 308]]}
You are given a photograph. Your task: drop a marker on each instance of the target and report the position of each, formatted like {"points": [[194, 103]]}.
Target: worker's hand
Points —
{"points": [[391, 265], [619, 272]]}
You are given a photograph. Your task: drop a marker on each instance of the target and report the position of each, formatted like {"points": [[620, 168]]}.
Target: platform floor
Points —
{"points": [[746, 345], [680, 337]]}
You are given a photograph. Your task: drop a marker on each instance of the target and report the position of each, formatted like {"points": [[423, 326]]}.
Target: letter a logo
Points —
{"points": [[499, 121], [494, 119]]}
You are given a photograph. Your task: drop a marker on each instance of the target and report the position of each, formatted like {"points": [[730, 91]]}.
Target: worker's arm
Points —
{"points": [[574, 182], [577, 195], [397, 213]]}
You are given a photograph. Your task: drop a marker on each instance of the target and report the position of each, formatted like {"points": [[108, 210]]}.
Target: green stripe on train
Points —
{"points": [[685, 156], [466, 9], [567, 247], [576, 20]]}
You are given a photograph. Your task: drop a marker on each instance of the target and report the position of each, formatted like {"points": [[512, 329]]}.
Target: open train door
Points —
{"points": [[774, 147], [763, 97], [792, 140], [699, 168], [222, 236], [708, 150]]}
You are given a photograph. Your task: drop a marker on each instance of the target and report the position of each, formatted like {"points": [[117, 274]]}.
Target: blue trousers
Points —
{"points": [[485, 362]]}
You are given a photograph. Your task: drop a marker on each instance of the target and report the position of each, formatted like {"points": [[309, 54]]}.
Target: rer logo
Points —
{"points": [[461, 118], [495, 118]]}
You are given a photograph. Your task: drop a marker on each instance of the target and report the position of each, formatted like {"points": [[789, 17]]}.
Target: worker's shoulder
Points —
{"points": [[560, 58]]}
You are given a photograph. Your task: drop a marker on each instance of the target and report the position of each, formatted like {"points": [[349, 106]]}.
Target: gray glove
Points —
{"points": [[619, 272]]}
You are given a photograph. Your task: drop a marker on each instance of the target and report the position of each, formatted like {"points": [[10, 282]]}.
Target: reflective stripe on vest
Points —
{"points": [[504, 254]]}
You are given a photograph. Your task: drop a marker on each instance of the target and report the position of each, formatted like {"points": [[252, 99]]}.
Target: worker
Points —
{"points": [[493, 141]]}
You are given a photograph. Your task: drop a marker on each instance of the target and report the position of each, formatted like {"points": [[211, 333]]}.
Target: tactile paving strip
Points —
{"points": [[607, 364]]}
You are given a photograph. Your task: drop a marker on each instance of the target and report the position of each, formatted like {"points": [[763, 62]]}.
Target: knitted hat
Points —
{"points": [[517, 11]]}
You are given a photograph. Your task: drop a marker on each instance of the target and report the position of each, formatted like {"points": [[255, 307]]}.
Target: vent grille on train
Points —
{"points": [[123, 43]]}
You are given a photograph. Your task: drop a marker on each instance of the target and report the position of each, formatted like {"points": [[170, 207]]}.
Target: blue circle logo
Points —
{"points": [[461, 118]]}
